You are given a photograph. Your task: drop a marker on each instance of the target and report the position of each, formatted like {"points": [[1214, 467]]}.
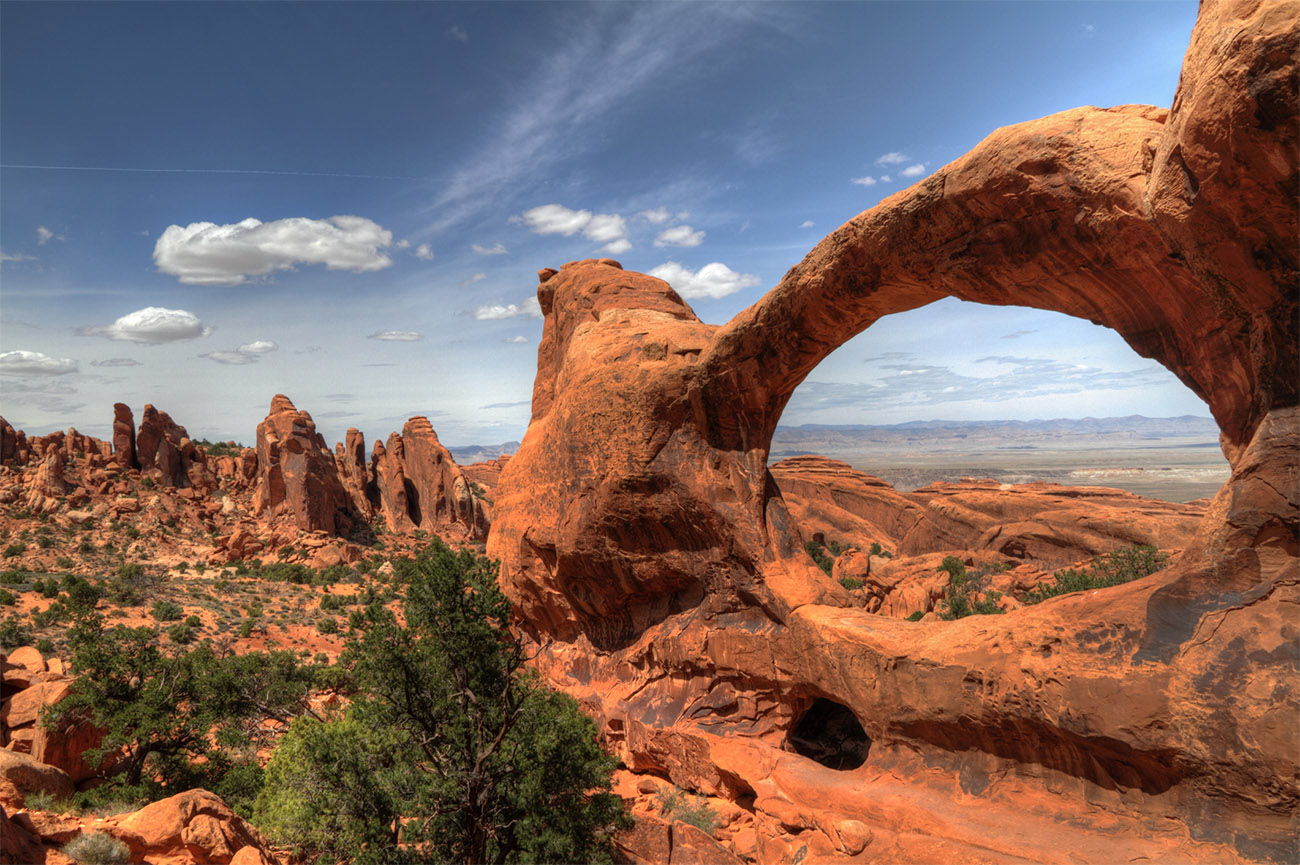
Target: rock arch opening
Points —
{"points": [[829, 733], [960, 389]]}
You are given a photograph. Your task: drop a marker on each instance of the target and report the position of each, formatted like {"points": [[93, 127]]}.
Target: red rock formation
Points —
{"points": [[1048, 523], [11, 443], [442, 497], [350, 457], [124, 436], [297, 479], [388, 471], [191, 827], [651, 554], [164, 450], [47, 486]]}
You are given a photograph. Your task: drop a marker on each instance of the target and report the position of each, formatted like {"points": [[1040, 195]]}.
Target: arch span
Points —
{"points": [[649, 551]]}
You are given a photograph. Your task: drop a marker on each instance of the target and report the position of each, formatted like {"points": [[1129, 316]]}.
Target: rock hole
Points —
{"points": [[831, 734]]}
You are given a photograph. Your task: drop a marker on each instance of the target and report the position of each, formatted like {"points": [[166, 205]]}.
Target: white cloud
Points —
{"points": [[248, 353], [116, 361], [204, 253], [44, 235], [423, 252], [402, 244], [712, 280], [807, 223], [555, 219], [152, 325], [606, 227], [658, 216], [396, 336], [15, 257], [893, 158], [494, 249], [457, 33], [680, 235], [515, 339], [864, 181], [34, 363], [478, 277], [529, 308], [912, 171], [885, 178]]}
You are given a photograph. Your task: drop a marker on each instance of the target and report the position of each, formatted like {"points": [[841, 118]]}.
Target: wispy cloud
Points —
{"points": [[116, 362], [913, 171], [249, 353], [457, 34], [515, 404], [424, 252], [607, 228], [516, 340], [1017, 334], [470, 280], [610, 53], [807, 223], [494, 249], [14, 257], [529, 308], [396, 336], [44, 235], [911, 382], [680, 235], [893, 158]]}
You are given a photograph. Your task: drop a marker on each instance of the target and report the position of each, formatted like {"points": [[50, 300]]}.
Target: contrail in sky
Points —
{"points": [[212, 171]]}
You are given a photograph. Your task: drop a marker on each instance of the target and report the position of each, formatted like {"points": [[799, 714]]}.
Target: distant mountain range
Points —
{"points": [[1066, 433]]}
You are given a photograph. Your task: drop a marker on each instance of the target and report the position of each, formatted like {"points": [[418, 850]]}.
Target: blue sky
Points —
{"points": [[202, 205]]}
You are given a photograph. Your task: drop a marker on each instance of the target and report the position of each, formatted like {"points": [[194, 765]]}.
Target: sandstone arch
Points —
{"points": [[649, 551]]}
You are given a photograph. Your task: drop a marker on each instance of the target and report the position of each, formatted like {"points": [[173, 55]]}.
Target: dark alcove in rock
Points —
{"points": [[831, 734]]}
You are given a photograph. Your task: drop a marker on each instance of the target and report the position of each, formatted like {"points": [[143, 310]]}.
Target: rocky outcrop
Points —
{"points": [[191, 827], [297, 479], [350, 457], [163, 450], [124, 436], [22, 775], [438, 496], [653, 559], [47, 485], [1047, 523]]}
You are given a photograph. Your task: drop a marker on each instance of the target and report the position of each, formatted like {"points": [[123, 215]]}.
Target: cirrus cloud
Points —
{"points": [[20, 362], [713, 280], [396, 336], [204, 253], [152, 325]]}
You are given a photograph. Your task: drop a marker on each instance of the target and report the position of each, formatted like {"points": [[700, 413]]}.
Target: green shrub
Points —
{"points": [[965, 594], [45, 646], [676, 805], [181, 633], [43, 800], [15, 550], [13, 633], [50, 588], [63, 562], [851, 583], [819, 551], [97, 849], [328, 625], [7, 598], [916, 616], [166, 611], [1111, 569]]}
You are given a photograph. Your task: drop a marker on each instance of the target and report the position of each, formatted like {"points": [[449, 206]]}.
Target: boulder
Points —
{"points": [[191, 827], [21, 774]]}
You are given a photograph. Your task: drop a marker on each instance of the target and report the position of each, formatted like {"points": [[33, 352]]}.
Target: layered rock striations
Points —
{"points": [[1049, 524], [656, 563]]}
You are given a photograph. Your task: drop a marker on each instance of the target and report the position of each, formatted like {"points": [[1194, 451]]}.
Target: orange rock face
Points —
{"points": [[1047, 523], [652, 555], [296, 474]]}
